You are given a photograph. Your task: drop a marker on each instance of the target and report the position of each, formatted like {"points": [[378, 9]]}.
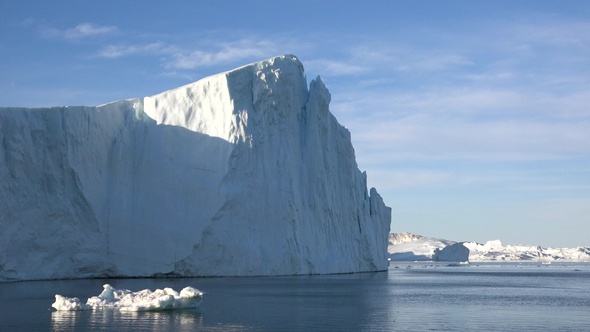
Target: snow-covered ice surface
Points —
{"points": [[412, 247], [126, 300], [244, 173], [496, 251]]}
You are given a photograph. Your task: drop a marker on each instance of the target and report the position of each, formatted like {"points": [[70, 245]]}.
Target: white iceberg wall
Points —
{"points": [[49, 228], [294, 192], [455, 252], [411, 247], [166, 180], [241, 173]]}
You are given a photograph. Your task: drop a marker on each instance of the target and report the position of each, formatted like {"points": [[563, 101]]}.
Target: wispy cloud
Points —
{"points": [[418, 178], [553, 188], [553, 32], [122, 50], [208, 53], [80, 31], [223, 53], [483, 140], [432, 62], [379, 58], [381, 55], [85, 30], [490, 101], [334, 67]]}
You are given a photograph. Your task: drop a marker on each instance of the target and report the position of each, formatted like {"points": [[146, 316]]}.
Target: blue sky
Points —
{"points": [[472, 118]]}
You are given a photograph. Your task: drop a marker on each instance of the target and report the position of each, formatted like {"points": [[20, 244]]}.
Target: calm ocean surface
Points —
{"points": [[409, 297]]}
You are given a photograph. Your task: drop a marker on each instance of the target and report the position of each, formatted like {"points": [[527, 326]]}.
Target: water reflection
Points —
{"points": [[105, 319], [431, 298]]}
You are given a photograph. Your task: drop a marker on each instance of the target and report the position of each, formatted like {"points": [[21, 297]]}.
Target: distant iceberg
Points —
{"points": [[455, 252], [412, 247], [496, 251]]}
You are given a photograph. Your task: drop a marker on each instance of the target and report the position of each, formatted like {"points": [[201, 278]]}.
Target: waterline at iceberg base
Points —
{"points": [[244, 173]]}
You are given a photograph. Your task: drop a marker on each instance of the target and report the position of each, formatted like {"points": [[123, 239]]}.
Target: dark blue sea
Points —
{"points": [[408, 297]]}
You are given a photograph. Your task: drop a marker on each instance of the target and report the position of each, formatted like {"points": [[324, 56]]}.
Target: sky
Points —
{"points": [[471, 118]]}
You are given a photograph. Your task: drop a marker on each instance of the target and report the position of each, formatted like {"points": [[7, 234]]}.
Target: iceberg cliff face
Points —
{"points": [[239, 174]]}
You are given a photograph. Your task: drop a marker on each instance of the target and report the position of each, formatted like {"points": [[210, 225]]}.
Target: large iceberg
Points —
{"points": [[244, 173]]}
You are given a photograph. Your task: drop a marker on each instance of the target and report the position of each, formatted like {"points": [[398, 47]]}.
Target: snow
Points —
{"points": [[412, 247], [126, 300], [399, 238], [244, 173], [496, 251]]}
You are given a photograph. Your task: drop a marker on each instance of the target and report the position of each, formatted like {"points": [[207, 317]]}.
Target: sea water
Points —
{"points": [[408, 297]]}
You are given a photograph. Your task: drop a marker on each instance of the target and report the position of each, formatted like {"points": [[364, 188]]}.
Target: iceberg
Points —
{"points": [[412, 247], [495, 251], [243, 173], [126, 300], [455, 252]]}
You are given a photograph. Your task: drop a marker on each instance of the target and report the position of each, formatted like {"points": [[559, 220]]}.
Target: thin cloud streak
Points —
{"points": [[553, 32], [79, 32], [459, 139], [122, 50], [85, 30], [207, 54], [225, 53], [334, 68]]}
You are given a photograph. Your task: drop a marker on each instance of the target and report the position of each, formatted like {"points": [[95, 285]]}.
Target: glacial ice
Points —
{"points": [[495, 251], [412, 247], [126, 300], [455, 252], [244, 173]]}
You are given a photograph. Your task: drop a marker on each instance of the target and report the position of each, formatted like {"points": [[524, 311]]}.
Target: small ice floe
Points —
{"points": [[126, 300], [459, 263]]}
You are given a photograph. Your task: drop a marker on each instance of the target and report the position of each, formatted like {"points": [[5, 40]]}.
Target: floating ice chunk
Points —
{"points": [[63, 303], [126, 300]]}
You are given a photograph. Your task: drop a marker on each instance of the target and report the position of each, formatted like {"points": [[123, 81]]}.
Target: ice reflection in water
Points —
{"points": [[481, 297], [177, 320]]}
